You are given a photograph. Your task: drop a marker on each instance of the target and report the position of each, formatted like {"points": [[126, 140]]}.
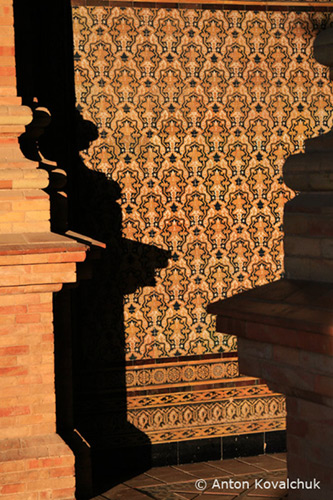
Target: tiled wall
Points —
{"points": [[197, 111]]}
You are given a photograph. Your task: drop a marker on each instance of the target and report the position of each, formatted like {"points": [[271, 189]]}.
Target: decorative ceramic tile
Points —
{"points": [[206, 418], [197, 111]]}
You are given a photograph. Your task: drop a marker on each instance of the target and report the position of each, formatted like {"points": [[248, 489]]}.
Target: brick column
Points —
{"points": [[285, 329], [34, 461]]}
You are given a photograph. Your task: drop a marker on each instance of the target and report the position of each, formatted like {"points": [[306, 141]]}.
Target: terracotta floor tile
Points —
{"points": [[276, 494], [142, 480], [216, 496], [199, 470], [117, 493], [264, 462], [171, 492], [169, 474], [137, 495], [231, 488], [187, 496], [187, 487], [179, 482], [123, 494], [280, 456], [234, 467], [271, 493], [219, 470], [258, 498]]}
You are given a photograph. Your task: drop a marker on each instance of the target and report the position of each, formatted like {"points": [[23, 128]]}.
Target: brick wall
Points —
{"points": [[34, 461]]}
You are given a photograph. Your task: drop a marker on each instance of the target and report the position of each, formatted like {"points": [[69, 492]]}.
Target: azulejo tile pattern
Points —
{"points": [[197, 399], [206, 414], [197, 111], [183, 372]]}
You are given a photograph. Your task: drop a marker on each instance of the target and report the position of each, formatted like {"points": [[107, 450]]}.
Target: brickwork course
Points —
{"points": [[35, 463]]}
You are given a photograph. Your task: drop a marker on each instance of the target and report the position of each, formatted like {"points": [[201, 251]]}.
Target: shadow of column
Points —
{"points": [[117, 449]]}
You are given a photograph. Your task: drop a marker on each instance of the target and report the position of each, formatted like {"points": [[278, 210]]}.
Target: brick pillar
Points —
{"points": [[285, 329], [34, 461]]}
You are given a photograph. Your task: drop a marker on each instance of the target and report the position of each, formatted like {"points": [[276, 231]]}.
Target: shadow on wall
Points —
{"points": [[118, 450], [88, 316]]}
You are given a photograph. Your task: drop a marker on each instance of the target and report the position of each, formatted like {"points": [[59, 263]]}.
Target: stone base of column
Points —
{"points": [[309, 442], [35, 463], [35, 468], [285, 338]]}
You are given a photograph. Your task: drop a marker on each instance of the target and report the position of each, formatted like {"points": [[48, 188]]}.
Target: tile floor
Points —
{"points": [[202, 481]]}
